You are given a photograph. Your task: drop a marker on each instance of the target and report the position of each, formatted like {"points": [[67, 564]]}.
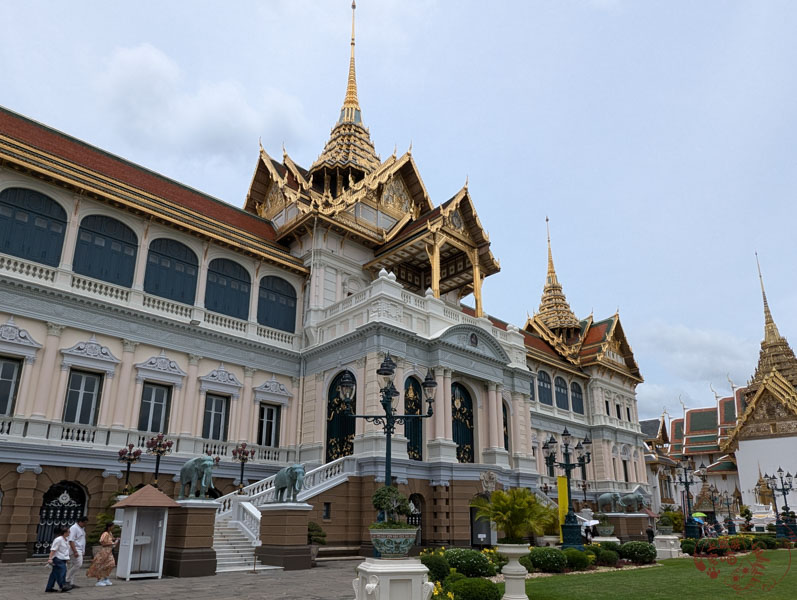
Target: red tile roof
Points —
{"points": [[89, 157]]}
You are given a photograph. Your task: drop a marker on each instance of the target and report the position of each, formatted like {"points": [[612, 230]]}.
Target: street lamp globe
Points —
{"points": [[429, 386], [386, 371], [347, 387], [566, 437]]}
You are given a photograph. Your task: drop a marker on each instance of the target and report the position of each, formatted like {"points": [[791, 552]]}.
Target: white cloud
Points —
{"points": [[154, 108]]}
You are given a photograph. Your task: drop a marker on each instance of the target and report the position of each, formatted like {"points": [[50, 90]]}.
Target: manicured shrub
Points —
{"points": [[608, 558], [783, 543], [613, 546], [497, 560], [449, 581], [739, 543], [576, 559], [438, 566], [471, 563], [688, 546], [712, 547], [548, 560], [591, 550], [770, 541], [639, 553], [475, 589], [526, 562]]}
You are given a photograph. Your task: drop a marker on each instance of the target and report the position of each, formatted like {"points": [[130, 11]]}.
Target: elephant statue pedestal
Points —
{"points": [[189, 539], [627, 527], [283, 531]]}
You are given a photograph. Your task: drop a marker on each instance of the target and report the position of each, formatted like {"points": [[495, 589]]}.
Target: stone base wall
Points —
{"points": [[189, 542], [630, 527]]}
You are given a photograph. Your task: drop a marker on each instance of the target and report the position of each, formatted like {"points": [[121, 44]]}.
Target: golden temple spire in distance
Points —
{"points": [[771, 333], [554, 310], [351, 105]]}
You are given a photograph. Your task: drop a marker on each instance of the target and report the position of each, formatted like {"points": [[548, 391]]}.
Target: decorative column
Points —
{"points": [[123, 386], [25, 385], [439, 415], [477, 282], [442, 448], [68, 252], [190, 402], [492, 417], [141, 261], [42, 388], [19, 502], [433, 251], [447, 412]]}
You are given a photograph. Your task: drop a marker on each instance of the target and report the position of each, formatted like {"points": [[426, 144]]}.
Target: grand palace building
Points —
{"points": [[131, 304]]}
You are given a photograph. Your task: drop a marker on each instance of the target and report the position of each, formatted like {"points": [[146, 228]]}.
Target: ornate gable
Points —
{"points": [[90, 355], [17, 341], [475, 339], [772, 412]]}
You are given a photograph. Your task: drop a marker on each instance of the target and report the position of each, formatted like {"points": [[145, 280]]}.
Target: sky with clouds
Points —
{"points": [[659, 137]]}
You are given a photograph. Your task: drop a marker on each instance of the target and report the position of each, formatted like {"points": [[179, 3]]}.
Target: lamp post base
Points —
{"points": [[571, 536], [692, 530]]}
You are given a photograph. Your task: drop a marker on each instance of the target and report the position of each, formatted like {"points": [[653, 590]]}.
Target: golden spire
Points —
{"points": [[554, 310], [771, 333], [776, 354], [351, 106]]}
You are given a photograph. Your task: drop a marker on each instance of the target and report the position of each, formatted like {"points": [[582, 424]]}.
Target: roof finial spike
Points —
{"points": [[771, 333], [554, 309], [466, 181], [351, 106]]}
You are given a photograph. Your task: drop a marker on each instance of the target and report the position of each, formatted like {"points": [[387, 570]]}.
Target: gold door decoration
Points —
{"points": [[413, 428], [462, 416]]}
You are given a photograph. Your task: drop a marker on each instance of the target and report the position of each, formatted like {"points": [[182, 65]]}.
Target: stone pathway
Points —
{"points": [[328, 581]]}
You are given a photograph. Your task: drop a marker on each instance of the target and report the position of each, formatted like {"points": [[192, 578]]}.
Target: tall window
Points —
{"points": [[106, 249], [544, 388], [9, 381], [628, 413], [171, 271], [32, 226], [215, 425], [506, 426], [577, 398], [227, 289], [462, 414], [561, 393], [276, 306], [625, 470], [82, 398], [608, 410], [268, 427], [619, 413], [154, 414], [531, 390]]}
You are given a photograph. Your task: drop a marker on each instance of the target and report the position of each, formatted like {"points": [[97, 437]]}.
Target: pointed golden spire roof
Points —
{"points": [[554, 310], [349, 144], [775, 354]]}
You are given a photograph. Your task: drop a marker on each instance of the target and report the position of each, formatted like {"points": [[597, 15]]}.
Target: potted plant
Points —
{"points": [[605, 528], [517, 514], [316, 537], [664, 526], [391, 537]]}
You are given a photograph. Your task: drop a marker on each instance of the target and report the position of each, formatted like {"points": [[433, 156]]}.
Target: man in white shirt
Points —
{"points": [[59, 554], [77, 547]]}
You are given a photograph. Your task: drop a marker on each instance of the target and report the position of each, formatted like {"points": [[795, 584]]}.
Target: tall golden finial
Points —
{"points": [[351, 106], [554, 310], [771, 333], [551, 278]]}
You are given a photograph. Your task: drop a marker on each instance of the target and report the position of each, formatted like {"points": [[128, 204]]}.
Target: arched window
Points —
{"points": [[227, 290], [577, 398], [340, 426], [462, 415], [171, 271], [106, 249], [544, 388], [561, 393], [276, 306], [413, 428], [32, 226]]}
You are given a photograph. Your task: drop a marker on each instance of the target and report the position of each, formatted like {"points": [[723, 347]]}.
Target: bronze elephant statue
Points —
{"points": [[197, 471], [610, 498], [290, 480]]}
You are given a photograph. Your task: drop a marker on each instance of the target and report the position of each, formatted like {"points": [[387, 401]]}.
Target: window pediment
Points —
{"points": [[161, 369], [273, 392], [90, 355], [17, 341], [221, 381]]}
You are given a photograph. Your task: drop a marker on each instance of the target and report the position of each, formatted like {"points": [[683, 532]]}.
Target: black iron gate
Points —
{"points": [[340, 426], [462, 415], [61, 506], [413, 428]]}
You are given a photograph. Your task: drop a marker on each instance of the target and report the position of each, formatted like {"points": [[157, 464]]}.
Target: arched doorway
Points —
{"points": [[62, 504], [416, 518], [413, 428], [340, 426], [462, 415]]}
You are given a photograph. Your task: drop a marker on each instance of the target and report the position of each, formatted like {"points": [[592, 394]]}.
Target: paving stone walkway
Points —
{"points": [[328, 581]]}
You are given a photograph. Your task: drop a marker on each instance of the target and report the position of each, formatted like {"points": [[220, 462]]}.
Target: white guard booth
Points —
{"points": [[144, 515]]}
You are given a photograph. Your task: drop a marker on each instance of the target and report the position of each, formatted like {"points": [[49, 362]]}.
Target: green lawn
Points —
{"points": [[677, 578]]}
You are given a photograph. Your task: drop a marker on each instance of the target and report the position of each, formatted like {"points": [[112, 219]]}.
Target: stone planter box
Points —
{"points": [[393, 543], [664, 529]]}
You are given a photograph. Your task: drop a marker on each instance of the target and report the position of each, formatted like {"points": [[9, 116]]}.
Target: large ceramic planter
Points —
{"points": [[605, 530], [664, 529], [514, 573], [393, 543]]}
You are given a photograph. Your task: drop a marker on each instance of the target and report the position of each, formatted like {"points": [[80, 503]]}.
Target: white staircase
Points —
{"points": [[234, 552]]}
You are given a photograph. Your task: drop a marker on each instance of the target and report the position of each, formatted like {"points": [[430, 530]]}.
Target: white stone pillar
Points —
{"points": [[492, 417], [42, 388], [447, 414], [68, 252], [24, 399], [190, 402], [439, 409], [203, 278], [141, 261], [246, 413], [123, 386]]}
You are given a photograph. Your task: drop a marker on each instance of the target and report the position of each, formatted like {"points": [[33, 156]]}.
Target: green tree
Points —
{"points": [[516, 512]]}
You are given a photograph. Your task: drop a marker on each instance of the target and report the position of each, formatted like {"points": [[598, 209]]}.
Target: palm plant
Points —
{"points": [[516, 512]]}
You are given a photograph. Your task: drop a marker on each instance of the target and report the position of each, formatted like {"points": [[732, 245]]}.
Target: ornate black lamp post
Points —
{"points": [[130, 456], [571, 530], [159, 446], [684, 478], [390, 419], [243, 456], [584, 485], [786, 485], [727, 501], [713, 495]]}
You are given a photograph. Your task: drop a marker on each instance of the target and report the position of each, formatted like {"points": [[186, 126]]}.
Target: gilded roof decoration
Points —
{"points": [[554, 310]]}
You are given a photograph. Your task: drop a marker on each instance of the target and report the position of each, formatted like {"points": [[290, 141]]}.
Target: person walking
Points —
{"points": [[77, 545], [651, 534], [103, 563], [59, 554]]}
